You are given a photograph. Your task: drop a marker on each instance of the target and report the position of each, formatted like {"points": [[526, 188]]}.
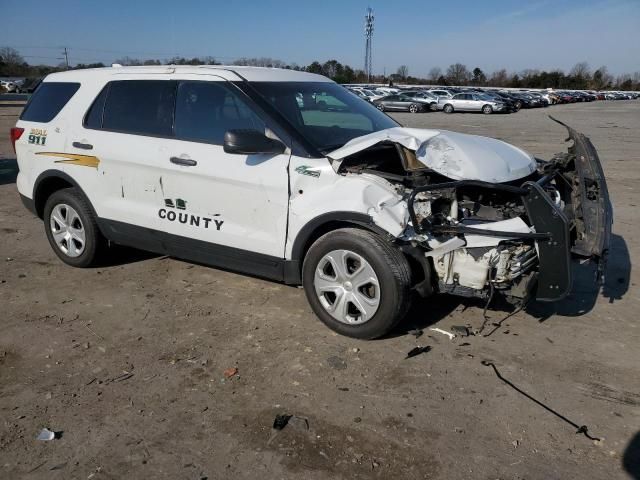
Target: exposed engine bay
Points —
{"points": [[501, 221]]}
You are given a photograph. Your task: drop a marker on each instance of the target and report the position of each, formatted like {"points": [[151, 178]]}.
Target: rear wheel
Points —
{"points": [[413, 108], [448, 108], [71, 228], [357, 283], [487, 109], [433, 106], [380, 107]]}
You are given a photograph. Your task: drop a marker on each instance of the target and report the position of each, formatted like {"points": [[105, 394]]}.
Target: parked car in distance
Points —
{"points": [[9, 86], [441, 93], [421, 96], [471, 102], [29, 85], [400, 102], [512, 105]]}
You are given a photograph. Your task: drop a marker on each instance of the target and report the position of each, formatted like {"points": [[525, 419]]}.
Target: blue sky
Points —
{"points": [[491, 34]]}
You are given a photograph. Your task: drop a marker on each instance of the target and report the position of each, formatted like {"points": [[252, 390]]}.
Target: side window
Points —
{"points": [[459, 96], [47, 101], [140, 106], [206, 110], [93, 118]]}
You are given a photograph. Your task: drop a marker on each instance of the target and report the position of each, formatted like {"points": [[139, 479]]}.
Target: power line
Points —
{"points": [[131, 52]]}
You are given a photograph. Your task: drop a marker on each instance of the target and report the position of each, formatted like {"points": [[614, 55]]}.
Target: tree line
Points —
{"points": [[580, 77]]}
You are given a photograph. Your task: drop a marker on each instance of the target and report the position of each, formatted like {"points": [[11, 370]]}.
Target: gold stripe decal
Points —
{"points": [[74, 159]]}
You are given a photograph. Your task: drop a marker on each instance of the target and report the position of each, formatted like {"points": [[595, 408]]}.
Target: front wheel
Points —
{"points": [[357, 283], [487, 109], [71, 228], [380, 107], [413, 108]]}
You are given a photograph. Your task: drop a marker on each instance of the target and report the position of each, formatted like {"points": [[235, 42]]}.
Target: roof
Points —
{"points": [[229, 72]]}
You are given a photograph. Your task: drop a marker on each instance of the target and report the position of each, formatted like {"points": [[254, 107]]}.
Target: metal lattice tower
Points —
{"points": [[368, 35]]}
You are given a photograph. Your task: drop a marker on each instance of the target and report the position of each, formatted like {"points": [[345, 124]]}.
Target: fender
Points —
{"points": [[315, 228], [47, 174]]}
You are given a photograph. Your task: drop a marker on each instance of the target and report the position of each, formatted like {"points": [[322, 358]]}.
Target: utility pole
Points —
{"points": [[66, 57], [368, 36]]}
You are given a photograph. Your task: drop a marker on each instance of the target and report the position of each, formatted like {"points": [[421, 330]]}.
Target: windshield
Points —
{"points": [[324, 113]]}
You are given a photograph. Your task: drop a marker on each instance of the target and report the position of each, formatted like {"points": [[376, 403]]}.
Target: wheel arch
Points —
{"points": [[49, 182], [319, 226]]}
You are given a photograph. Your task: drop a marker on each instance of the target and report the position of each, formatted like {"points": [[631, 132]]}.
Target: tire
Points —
{"points": [[448, 108], [380, 107], [433, 106], [487, 110], [414, 108], [73, 219], [327, 289]]}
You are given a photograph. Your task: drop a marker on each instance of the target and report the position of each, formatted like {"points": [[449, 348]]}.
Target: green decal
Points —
{"points": [[304, 170]]}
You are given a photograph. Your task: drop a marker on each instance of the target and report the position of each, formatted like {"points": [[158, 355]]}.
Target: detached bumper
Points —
{"points": [[583, 229]]}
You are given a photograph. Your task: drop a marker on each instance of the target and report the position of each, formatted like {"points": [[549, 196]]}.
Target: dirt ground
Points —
{"points": [[127, 360]]}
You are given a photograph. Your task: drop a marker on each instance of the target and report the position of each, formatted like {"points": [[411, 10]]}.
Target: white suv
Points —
{"points": [[288, 176]]}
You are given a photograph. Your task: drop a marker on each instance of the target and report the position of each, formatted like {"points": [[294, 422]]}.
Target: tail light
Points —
{"points": [[16, 133]]}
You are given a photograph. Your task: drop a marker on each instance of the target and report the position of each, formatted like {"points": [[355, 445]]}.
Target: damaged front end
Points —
{"points": [[487, 217]]}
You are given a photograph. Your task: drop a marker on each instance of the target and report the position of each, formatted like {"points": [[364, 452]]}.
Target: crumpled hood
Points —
{"points": [[458, 156]]}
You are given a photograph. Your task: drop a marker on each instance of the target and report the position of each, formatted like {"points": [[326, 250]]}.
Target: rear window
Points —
{"points": [[93, 119], [140, 106], [47, 101]]}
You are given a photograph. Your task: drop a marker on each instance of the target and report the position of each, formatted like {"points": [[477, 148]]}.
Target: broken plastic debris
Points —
{"points": [[461, 330], [417, 332], [299, 423], [444, 332], [46, 435], [230, 372], [281, 421], [417, 351]]}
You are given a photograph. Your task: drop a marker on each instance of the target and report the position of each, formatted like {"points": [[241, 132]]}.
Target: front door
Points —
{"points": [[239, 201]]}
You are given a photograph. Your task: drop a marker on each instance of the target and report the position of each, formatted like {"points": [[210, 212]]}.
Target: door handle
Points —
{"points": [[183, 161], [83, 146]]}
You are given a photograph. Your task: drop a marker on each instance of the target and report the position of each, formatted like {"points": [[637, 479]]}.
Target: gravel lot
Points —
{"points": [[127, 360]]}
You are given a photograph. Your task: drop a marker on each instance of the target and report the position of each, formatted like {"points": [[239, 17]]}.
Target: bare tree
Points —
{"points": [[260, 62], [458, 74], [581, 75], [601, 78], [581, 70], [10, 56], [498, 78], [127, 61], [403, 72], [434, 74]]}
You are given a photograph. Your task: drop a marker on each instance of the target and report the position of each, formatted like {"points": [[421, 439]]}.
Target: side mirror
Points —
{"points": [[248, 142]]}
